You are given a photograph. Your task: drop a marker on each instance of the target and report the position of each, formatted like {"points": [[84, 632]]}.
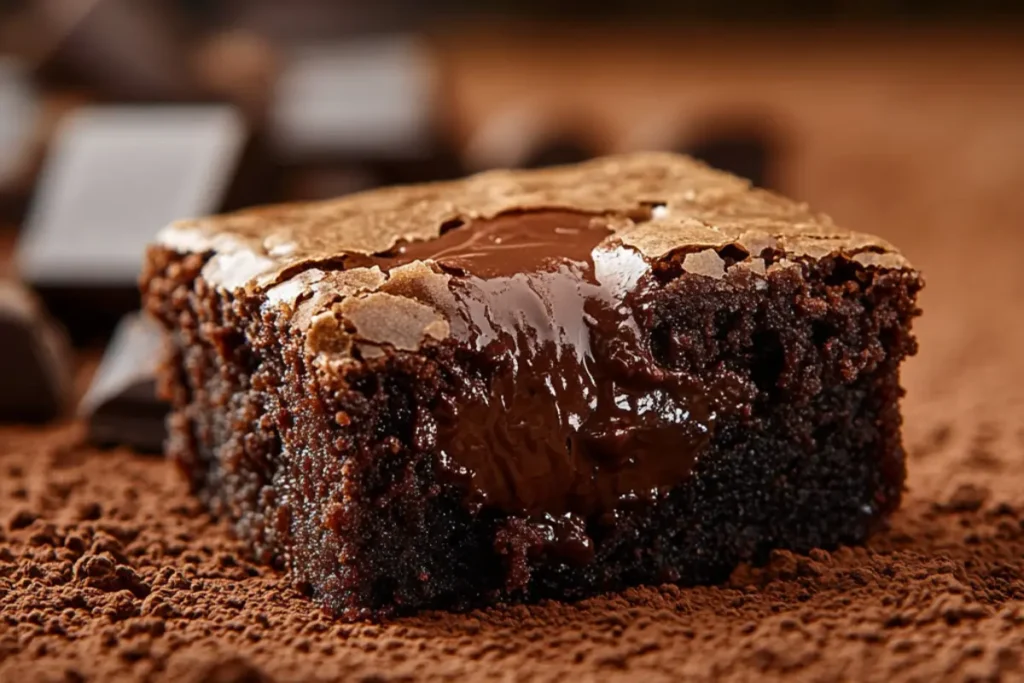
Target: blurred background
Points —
{"points": [[118, 116]]}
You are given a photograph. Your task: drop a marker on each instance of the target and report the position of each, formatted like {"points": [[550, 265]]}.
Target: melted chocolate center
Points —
{"points": [[577, 417]]}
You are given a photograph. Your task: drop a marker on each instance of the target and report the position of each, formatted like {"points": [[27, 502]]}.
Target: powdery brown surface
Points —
{"points": [[110, 571]]}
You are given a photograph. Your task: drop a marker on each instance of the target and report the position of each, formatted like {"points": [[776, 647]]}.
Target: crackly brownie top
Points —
{"points": [[657, 203], [374, 270], [383, 260]]}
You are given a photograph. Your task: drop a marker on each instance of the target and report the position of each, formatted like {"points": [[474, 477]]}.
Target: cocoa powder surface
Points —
{"points": [[111, 571]]}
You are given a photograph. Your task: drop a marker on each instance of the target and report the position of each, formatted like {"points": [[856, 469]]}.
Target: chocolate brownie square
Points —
{"points": [[534, 384]]}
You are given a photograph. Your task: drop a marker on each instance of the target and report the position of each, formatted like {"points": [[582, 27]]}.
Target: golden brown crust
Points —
{"points": [[656, 202]]}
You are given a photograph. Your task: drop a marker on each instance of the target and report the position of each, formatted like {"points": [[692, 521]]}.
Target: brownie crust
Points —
{"points": [[322, 367], [662, 203]]}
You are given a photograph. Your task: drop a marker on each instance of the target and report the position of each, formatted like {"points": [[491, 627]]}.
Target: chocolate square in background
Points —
{"points": [[527, 137], [114, 177], [359, 114], [365, 98], [121, 406]]}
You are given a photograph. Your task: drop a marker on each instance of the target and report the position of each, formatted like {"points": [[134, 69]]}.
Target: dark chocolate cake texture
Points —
{"points": [[534, 384]]}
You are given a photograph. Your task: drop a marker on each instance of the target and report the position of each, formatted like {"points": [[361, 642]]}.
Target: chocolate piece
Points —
{"points": [[114, 176], [121, 406], [367, 105], [364, 99], [34, 359], [534, 384], [524, 138]]}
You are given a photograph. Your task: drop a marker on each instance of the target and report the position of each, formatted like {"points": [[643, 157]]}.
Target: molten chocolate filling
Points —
{"points": [[578, 416]]}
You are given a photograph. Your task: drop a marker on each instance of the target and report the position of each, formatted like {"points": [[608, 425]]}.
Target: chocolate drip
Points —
{"points": [[578, 417]]}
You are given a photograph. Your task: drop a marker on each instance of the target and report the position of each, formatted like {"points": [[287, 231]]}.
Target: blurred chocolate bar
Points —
{"points": [[116, 175], [366, 98], [361, 110], [744, 142], [35, 359], [525, 138], [121, 406]]}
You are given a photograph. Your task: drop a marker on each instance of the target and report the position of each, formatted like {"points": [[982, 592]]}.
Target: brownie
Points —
{"points": [[534, 384]]}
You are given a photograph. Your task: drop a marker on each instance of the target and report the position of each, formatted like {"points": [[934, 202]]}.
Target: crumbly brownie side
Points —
{"points": [[335, 477]]}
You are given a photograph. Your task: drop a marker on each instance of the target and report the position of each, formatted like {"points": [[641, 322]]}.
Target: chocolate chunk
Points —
{"points": [[115, 176], [35, 360], [367, 106], [121, 406]]}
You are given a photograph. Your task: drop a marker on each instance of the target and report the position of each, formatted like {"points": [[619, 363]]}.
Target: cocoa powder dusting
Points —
{"points": [[111, 571]]}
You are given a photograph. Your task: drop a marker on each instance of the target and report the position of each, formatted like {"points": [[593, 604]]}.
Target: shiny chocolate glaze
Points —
{"points": [[578, 418]]}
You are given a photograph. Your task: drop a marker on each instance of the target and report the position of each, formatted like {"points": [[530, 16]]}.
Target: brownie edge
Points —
{"points": [[329, 360]]}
